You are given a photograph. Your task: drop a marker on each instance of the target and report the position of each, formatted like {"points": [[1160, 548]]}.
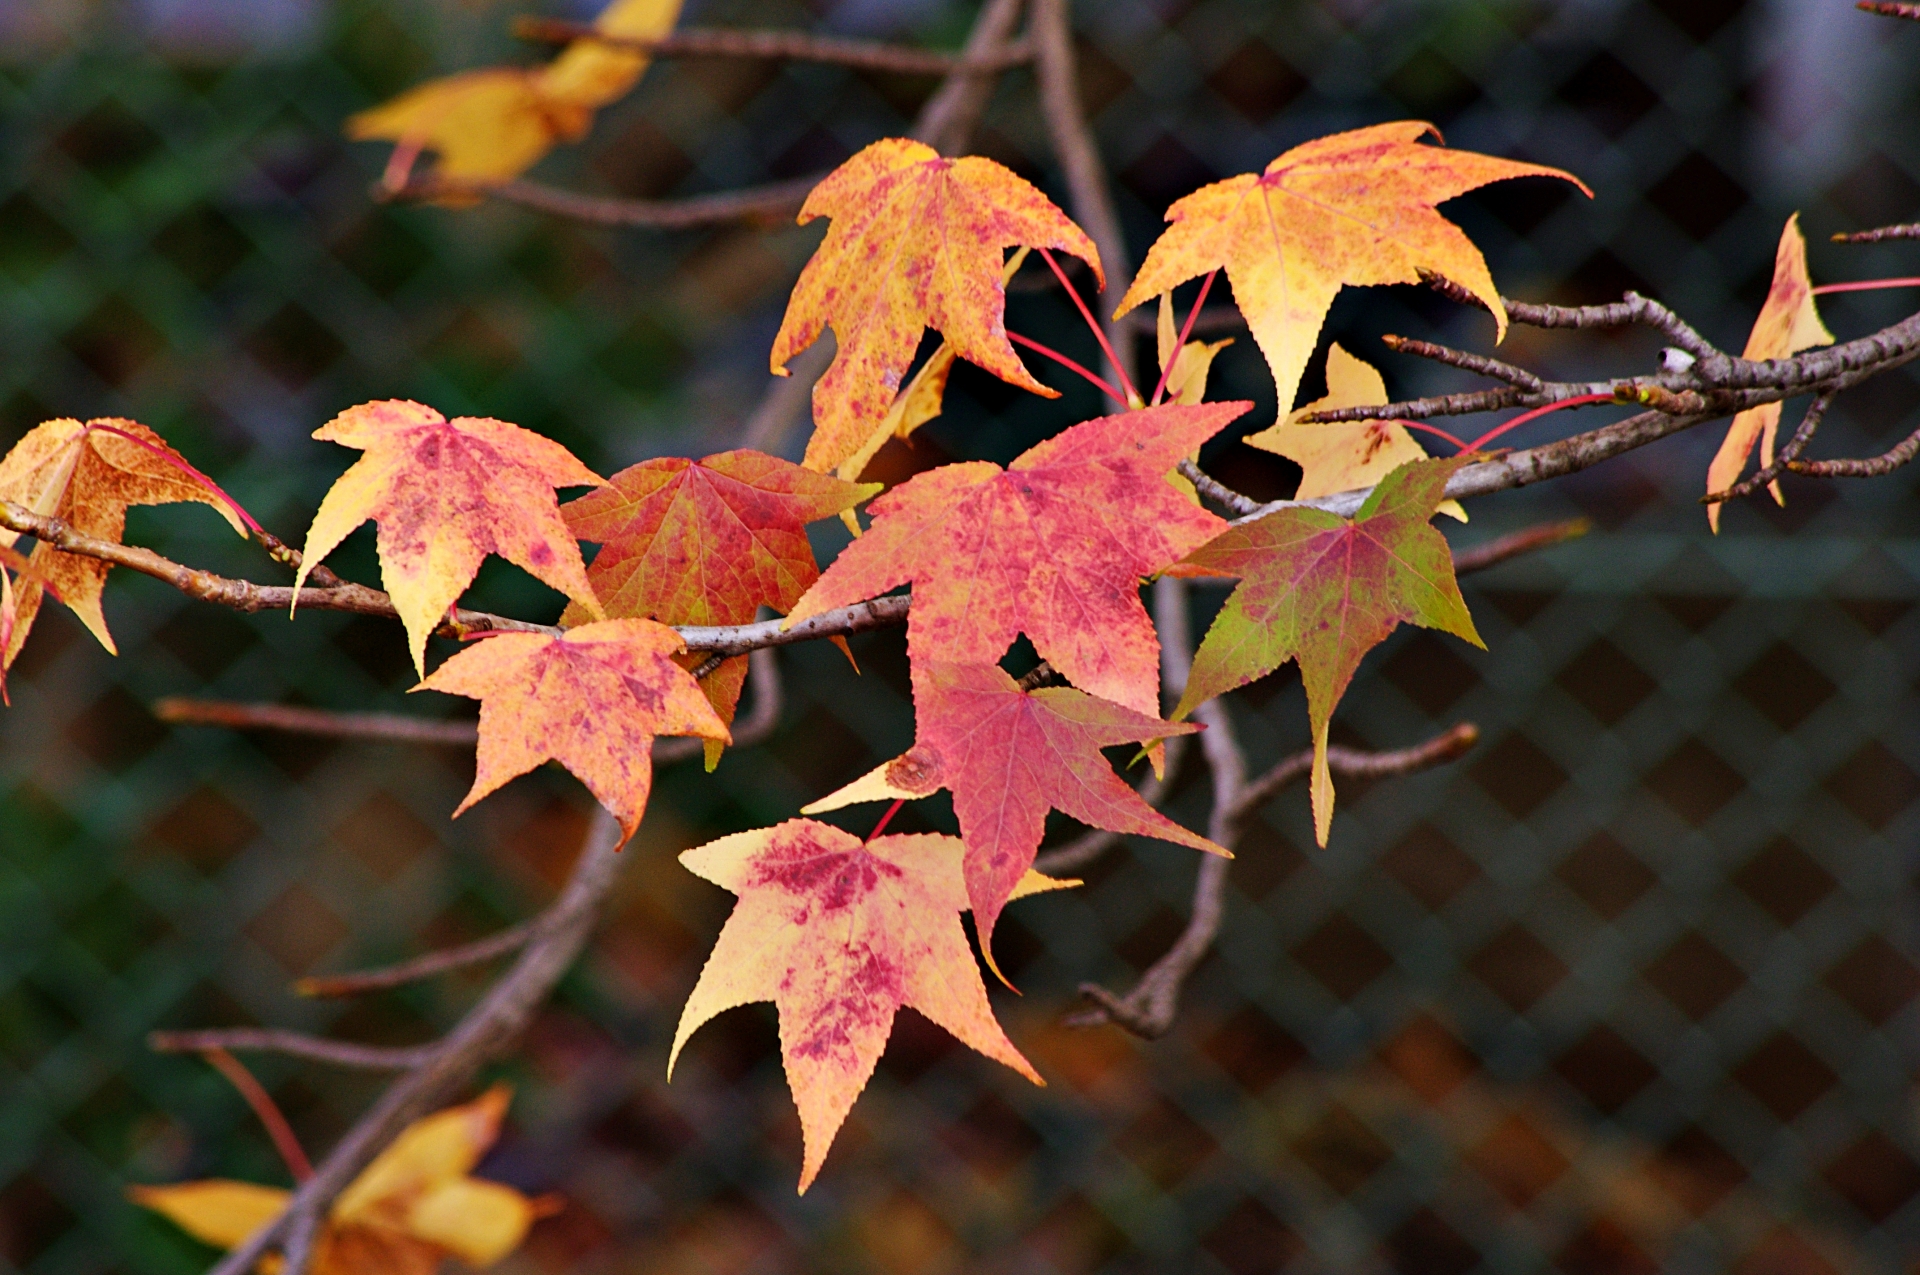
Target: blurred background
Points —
{"points": [[1629, 988]]}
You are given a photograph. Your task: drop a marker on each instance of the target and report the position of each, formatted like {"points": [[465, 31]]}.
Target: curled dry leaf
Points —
{"points": [[591, 699], [1348, 455], [491, 125], [1325, 590], [1053, 546], [839, 934], [407, 1212], [1009, 756], [446, 493], [1789, 322], [706, 542], [917, 241], [1354, 208], [88, 476]]}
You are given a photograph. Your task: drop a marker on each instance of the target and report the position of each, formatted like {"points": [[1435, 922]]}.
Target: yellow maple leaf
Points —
{"points": [[1788, 324], [1187, 379], [1346, 455], [413, 1207], [492, 124]]}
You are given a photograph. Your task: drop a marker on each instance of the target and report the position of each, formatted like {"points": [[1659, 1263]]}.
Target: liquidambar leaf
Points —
{"points": [[1054, 546], [916, 242], [591, 699], [447, 493], [88, 476], [1009, 756], [706, 542], [1354, 208], [839, 934], [1788, 323], [1187, 368], [493, 124], [1325, 590], [1345, 455], [408, 1211]]}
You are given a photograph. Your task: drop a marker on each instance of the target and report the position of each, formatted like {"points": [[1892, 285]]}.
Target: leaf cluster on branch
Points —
{"points": [[1056, 547]]}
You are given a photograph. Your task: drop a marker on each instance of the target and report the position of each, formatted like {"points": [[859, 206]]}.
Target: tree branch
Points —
{"points": [[1526, 540], [765, 205], [389, 727], [1885, 463], [1782, 460], [511, 939], [486, 1031], [1476, 363], [1910, 230], [789, 46], [272, 1040], [1215, 490]]}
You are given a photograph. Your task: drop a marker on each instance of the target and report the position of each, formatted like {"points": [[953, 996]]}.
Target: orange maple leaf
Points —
{"points": [[706, 542], [1009, 756], [1353, 208], [406, 1213], [1346, 455], [839, 934], [88, 476], [916, 242], [591, 699], [447, 493], [493, 124], [1054, 546], [1789, 322]]}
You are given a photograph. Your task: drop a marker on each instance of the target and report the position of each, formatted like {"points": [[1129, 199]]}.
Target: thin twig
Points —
{"points": [[273, 1040], [511, 939], [1475, 363], [1355, 763], [1512, 545], [393, 727], [764, 205], [788, 46], [1632, 309], [1908, 230], [1213, 489], [1873, 467], [1782, 460]]}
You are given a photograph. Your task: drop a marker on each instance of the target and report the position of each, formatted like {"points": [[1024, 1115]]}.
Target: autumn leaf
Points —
{"points": [[446, 494], [839, 934], [1053, 546], [1009, 756], [591, 699], [407, 1212], [1324, 590], [706, 542], [1346, 455], [1187, 368], [88, 476], [916, 242], [1355, 208], [1788, 324], [493, 124]]}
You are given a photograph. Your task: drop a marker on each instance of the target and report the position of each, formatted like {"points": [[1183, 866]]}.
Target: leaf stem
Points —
{"points": [[1186, 329], [1577, 401], [1866, 285], [265, 1108], [184, 466], [1065, 362], [887, 818], [1099, 334]]}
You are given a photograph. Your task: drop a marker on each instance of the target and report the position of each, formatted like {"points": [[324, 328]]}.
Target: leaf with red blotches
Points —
{"points": [[1009, 756], [1789, 322], [493, 124], [1325, 590], [916, 242], [1346, 455], [446, 493], [1353, 208], [88, 476], [591, 699], [706, 542], [839, 934], [1054, 546], [407, 1212]]}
